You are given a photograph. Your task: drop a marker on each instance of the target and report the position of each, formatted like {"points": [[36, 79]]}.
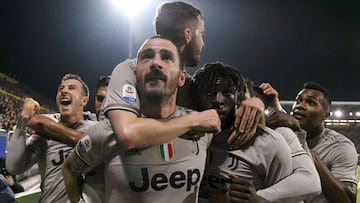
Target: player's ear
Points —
{"points": [[187, 35], [182, 78], [326, 115], [84, 100]]}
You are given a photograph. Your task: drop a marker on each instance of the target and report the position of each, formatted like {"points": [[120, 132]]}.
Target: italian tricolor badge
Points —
{"points": [[166, 151]]}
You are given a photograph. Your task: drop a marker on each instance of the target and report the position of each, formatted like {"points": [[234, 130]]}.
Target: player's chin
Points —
{"points": [[65, 112]]}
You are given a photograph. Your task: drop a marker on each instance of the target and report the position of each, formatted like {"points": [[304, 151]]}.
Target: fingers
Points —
{"points": [[30, 107], [245, 119], [238, 115], [241, 189], [234, 135], [268, 89], [237, 139], [247, 116], [247, 128]]}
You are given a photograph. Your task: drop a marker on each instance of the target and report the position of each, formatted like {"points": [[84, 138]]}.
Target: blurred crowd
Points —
{"points": [[12, 94]]}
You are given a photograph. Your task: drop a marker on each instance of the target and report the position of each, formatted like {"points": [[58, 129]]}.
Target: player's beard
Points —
{"points": [[157, 93], [191, 54]]}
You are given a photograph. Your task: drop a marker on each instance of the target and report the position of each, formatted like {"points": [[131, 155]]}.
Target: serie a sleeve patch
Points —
{"points": [[85, 144], [129, 93]]}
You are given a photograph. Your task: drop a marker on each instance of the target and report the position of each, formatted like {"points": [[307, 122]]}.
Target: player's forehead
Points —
{"points": [[72, 82], [157, 44], [311, 93]]}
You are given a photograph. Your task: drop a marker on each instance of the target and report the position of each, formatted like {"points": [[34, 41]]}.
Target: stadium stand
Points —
{"points": [[12, 94]]}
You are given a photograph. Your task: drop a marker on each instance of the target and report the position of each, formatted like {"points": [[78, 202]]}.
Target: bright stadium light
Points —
{"points": [[338, 113], [130, 7], [357, 114]]}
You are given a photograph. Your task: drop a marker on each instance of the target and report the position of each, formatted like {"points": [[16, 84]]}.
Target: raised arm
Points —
{"points": [[53, 130], [22, 156], [135, 132], [272, 96]]}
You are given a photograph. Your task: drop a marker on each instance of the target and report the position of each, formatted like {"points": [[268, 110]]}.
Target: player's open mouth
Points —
{"points": [[65, 101]]}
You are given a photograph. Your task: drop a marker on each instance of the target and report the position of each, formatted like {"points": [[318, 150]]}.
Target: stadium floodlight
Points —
{"points": [[357, 114], [130, 7], [338, 113], [350, 113]]}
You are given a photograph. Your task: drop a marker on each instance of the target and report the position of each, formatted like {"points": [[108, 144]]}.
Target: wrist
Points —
{"points": [[22, 122]]}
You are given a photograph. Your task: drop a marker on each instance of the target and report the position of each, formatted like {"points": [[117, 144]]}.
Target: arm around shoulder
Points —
{"points": [[54, 130], [134, 132]]}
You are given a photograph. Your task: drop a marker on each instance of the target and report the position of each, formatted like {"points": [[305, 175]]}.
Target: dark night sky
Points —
{"points": [[285, 43]]}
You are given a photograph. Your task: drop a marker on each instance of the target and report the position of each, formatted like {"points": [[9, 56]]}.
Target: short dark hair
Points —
{"points": [[206, 76], [318, 87], [70, 76], [102, 82], [172, 18]]}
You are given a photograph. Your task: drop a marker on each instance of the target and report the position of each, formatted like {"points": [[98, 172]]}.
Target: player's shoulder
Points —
{"points": [[89, 116], [126, 64], [268, 135], [334, 136], [288, 134]]}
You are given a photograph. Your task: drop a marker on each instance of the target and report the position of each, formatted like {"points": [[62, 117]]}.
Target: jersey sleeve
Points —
{"points": [[292, 140], [23, 154], [281, 164], [345, 160], [97, 143], [121, 92], [302, 183]]}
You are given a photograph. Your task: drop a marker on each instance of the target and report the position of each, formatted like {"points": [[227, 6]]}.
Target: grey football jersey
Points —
{"points": [[50, 155], [303, 182], [169, 172], [265, 160], [338, 153], [121, 92]]}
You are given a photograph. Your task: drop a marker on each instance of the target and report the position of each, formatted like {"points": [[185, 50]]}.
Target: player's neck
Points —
{"points": [[71, 120], [160, 109]]}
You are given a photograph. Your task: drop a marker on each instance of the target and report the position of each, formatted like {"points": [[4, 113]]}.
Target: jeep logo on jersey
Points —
{"points": [[166, 151], [129, 93], [160, 181], [215, 182]]}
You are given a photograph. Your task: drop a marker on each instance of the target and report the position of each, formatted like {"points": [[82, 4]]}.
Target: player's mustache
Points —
{"points": [[155, 74]]}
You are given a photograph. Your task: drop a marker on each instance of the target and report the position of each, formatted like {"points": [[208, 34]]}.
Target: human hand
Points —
{"points": [[247, 116], [282, 119], [242, 190], [207, 121], [272, 95], [9, 180], [30, 107]]}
